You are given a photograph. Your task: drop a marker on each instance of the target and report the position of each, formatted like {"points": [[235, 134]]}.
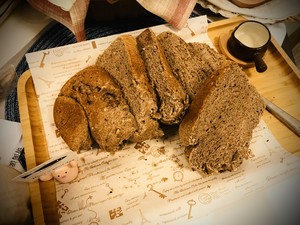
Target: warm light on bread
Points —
{"points": [[99, 112], [218, 126], [139, 83]]}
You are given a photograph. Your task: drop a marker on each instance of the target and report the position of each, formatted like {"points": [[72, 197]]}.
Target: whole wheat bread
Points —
{"points": [[218, 126], [71, 123], [191, 62], [109, 119], [209, 58], [123, 61], [173, 100], [187, 68]]}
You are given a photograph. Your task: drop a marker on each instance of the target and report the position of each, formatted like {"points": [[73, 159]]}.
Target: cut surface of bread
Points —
{"points": [[187, 68], [173, 100], [123, 61], [209, 59], [72, 124], [191, 62], [218, 126], [109, 119]]}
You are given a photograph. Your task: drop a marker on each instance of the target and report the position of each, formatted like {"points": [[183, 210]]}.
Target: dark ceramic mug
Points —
{"points": [[249, 41]]}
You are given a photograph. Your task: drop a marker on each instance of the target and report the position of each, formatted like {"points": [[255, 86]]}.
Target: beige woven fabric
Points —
{"points": [[175, 12], [73, 19]]}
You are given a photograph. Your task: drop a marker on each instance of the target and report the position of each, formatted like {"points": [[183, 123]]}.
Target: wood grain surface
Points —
{"points": [[42, 194], [280, 84]]}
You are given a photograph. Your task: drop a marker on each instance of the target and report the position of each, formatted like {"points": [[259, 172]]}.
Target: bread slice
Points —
{"points": [[109, 119], [173, 100], [123, 61], [71, 123], [218, 126], [187, 68], [210, 59]]}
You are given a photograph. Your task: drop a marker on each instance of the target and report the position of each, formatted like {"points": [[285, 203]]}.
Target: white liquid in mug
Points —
{"points": [[253, 35]]}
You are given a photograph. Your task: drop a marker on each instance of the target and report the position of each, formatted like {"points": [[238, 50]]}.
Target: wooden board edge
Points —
{"points": [[286, 57], [226, 22], [35, 195]]}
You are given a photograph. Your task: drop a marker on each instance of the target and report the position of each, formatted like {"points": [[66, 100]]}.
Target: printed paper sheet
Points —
{"points": [[150, 182]]}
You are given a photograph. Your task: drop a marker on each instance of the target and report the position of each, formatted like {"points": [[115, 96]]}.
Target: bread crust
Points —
{"points": [[73, 129], [109, 120]]}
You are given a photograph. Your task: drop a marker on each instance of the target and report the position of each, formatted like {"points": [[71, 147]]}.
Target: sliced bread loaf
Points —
{"points": [[173, 100], [218, 126], [109, 119], [123, 61]]}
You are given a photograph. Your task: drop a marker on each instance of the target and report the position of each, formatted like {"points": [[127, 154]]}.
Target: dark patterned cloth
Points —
{"points": [[59, 35]]}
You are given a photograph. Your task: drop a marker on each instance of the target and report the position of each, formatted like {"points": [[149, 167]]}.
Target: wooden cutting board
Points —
{"points": [[248, 3], [280, 84]]}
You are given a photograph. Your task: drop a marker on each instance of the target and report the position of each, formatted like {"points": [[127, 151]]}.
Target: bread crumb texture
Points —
{"points": [[140, 84]]}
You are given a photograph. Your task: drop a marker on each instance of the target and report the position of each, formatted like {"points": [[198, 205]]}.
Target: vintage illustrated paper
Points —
{"points": [[149, 182]]}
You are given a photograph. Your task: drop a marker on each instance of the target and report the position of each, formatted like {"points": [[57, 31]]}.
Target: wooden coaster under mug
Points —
{"points": [[223, 39], [249, 41]]}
